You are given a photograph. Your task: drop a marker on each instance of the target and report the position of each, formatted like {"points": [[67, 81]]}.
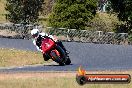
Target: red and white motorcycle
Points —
{"points": [[55, 52]]}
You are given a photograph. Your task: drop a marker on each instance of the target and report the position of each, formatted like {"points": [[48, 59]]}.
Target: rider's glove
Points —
{"points": [[55, 38], [42, 51]]}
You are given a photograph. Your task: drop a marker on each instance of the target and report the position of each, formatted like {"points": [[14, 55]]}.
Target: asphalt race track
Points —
{"points": [[89, 56]]}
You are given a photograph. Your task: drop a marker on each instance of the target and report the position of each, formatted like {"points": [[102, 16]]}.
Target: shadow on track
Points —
{"points": [[57, 65]]}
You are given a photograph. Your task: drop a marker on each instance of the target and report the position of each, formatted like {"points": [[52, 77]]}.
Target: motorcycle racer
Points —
{"points": [[37, 40]]}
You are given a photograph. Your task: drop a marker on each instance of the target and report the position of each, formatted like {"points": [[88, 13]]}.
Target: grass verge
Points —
{"points": [[13, 57], [51, 80]]}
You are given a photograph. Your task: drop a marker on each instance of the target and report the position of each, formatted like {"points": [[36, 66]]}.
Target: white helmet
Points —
{"points": [[35, 33]]}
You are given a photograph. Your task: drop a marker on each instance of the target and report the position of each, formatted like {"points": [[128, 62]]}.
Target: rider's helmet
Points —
{"points": [[35, 33]]}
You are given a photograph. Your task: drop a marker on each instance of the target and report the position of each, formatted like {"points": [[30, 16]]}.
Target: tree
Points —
{"points": [[23, 11], [124, 10], [48, 7], [72, 14]]}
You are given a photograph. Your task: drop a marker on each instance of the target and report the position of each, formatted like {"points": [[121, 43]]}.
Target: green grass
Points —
{"points": [[12, 57]]}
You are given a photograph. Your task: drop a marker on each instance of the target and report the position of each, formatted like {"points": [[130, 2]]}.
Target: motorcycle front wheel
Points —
{"points": [[68, 61]]}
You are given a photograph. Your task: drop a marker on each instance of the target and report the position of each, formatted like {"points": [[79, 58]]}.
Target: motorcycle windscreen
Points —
{"points": [[47, 44]]}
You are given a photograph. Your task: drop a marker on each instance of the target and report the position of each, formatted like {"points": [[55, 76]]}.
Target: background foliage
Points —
{"points": [[103, 22], [124, 10], [21, 11], [72, 14]]}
